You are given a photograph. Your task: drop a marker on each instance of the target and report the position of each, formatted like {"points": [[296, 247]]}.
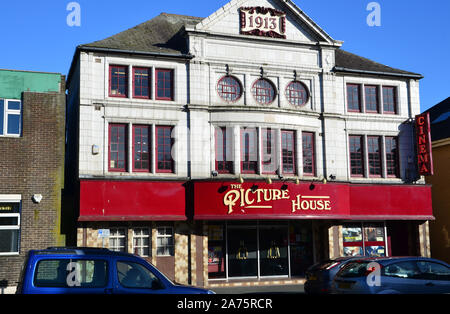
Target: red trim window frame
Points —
{"points": [[268, 143], [374, 156], [390, 99], [117, 147], [249, 150], [116, 73], [392, 158], [142, 148], [163, 146], [309, 150], [229, 88], [141, 83], [164, 80], [371, 99], [297, 93], [288, 152], [353, 97], [356, 150], [223, 148], [263, 91]]}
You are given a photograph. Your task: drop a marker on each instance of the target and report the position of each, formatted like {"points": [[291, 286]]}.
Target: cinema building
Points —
{"points": [[243, 146]]}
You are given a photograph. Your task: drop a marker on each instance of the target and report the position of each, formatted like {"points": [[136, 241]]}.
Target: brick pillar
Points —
{"points": [[181, 253], [424, 239]]}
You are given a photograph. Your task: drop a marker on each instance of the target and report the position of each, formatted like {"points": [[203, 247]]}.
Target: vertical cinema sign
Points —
{"points": [[423, 138]]}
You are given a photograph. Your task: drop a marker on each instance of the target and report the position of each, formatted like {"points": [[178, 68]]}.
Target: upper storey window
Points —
{"points": [[263, 91], [10, 117], [141, 82], [229, 89], [164, 84], [118, 81], [371, 93], [389, 100], [353, 97], [297, 94]]}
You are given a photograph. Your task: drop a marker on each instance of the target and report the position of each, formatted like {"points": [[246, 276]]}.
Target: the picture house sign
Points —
{"points": [[423, 137], [260, 21]]}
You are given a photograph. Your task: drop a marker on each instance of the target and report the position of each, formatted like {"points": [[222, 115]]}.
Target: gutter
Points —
{"points": [[343, 69]]}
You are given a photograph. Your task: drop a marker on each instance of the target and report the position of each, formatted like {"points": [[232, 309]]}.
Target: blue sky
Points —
{"points": [[414, 34]]}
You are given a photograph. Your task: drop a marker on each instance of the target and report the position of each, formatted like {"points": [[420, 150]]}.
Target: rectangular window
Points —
{"points": [[164, 144], [118, 81], [141, 242], [164, 84], [353, 98], [269, 164], [371, 98], [374, 155], [223, 151], [249, 150], [141, 148], [9, 227], [117, 147], [288, 151], [392, 166], [141, 83], [356, 156], [389, 100], [164, 241], [364, 239], [308, 153], [10, 117], [117, 240]]}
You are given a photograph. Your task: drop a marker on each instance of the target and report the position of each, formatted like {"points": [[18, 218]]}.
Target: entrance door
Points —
{"points": [[242, 251], [273, 250]]}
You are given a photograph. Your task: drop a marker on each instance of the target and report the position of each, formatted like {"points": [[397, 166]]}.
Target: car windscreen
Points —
{"points": [[354, 269], [71, 273]]}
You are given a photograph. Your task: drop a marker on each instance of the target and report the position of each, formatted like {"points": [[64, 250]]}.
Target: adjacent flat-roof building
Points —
{"points": [[244, 145]]}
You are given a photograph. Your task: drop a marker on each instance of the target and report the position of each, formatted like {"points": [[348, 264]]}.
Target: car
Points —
{"points": [[393, 275], [319, 276], [65, 270]]}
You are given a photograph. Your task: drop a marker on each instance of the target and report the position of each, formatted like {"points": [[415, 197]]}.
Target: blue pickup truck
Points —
{"points": [[94, 271]]}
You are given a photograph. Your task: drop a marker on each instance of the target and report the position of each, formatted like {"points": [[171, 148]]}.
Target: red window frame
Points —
{"points": [[392, 159], [371, 98], [229, 88], [374, 156], [268, 143], [223, 165], [390, 99], [122, 146], [297, 93], [288, 151], [308, 147], [117, 77], [138, 83], [263, 91], [140, 147], [164, 84], [356, 142], [163, 147], [249, 150], [353, 97]]}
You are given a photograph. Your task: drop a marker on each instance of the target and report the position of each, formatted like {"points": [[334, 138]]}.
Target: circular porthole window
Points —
{"points": [[297, 93], [229, 88], [263, 91]]}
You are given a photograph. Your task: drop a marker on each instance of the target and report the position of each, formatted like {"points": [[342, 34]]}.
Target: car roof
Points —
{"points": [[79, 251], [393, 259]]}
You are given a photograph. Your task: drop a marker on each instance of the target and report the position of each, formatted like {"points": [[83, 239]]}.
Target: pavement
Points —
{"points": [[266, 289]]}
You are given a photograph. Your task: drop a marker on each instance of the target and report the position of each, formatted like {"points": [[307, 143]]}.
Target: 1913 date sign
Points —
{"points": [[260, 21]]}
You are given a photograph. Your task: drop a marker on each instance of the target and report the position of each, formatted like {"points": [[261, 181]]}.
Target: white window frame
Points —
{"points": [[15, 198], [7, 112], [137, 234], [165, 236], [115, 236]]}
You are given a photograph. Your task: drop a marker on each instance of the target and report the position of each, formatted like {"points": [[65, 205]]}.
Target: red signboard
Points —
{"points": [[258, 200], [423, 138], [106, 200]]}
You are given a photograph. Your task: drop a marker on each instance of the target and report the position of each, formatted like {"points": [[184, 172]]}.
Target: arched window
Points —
{"points": [[297, 93], [263, 91], [229, 88]]}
